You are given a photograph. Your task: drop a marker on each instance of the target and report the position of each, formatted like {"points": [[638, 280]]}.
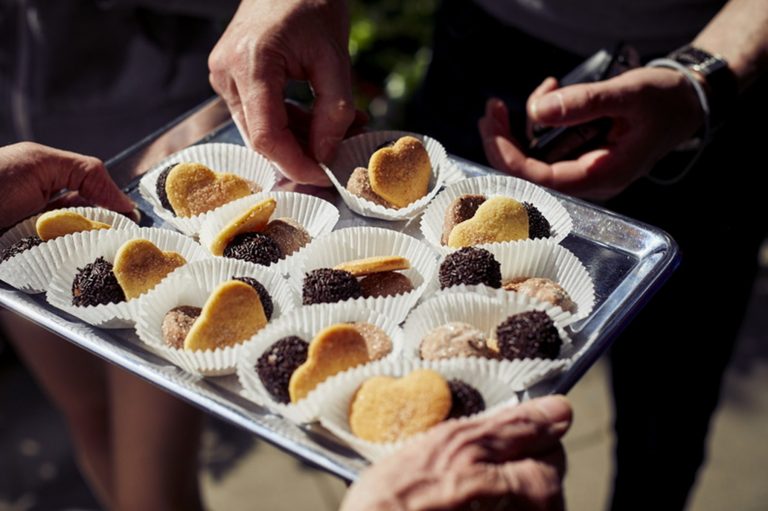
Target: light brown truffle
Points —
{"points": [[387, 283], [177, 323], [359, 184], [288, 234], [455, 339], [378, 342], [542, 289]]}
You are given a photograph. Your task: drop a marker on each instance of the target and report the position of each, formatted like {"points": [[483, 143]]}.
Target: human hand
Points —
{"points": [[265, 45], [652, 110], [32, 174], [511, 459]]}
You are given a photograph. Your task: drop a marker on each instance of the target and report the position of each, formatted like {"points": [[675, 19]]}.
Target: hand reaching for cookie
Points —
{"points": [[32, 174], [512, 459]]}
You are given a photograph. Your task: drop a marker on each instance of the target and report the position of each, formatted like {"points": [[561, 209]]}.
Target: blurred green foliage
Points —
{"points": [[390, 46]]}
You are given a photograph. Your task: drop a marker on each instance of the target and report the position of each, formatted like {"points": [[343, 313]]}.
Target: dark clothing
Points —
{"points": [[668, 364]]}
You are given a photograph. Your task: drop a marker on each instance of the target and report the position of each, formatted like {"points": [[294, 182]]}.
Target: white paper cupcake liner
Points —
{"points": [[485, 313], [191, 285], [356, 151], [361, 242], [31, 271], [536, 258], [94, 244], [520, 190], [305, 322], [335, 396], [316, 215], [219, 157]]}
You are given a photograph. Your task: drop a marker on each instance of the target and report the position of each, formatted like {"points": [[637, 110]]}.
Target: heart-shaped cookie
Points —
{"points": [[57, 223], [253, 220], [386, 409], [336, 348], [400, 174], [232, 314], [497, 219], [193, 188], [376, 264], [139, 266]]}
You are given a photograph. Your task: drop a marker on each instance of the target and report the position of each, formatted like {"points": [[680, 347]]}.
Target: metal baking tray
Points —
{"points": [[628, 261]]}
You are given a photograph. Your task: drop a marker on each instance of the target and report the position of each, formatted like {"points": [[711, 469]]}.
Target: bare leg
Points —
{"points": [[155, 440], [75, 381]]}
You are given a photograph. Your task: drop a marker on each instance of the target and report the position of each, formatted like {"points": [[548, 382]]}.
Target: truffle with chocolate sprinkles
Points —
{"points": [[20, 246], [160, 187], [266, 299], [326, 285], [95, 284], [538, 225], [254, 247], [470, 266], [529, 334], [465, 399], [276, 365]]}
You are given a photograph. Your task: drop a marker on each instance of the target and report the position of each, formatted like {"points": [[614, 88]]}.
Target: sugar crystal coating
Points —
{"points": [[177, 323]]}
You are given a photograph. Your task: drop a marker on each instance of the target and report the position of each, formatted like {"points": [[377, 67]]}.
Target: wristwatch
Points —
{"points": [[719, 81]]}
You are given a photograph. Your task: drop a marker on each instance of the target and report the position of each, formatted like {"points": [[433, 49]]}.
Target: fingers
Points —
{"points": [[576, 104], [548, 85]]}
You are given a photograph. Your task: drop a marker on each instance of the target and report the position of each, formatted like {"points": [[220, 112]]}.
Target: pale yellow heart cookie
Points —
{"points": [[193, 188], [497, 219], [139, 266], [232, 314], [386, 409], [336, 348], [400, 174], [376, 264], [57, 223], [253, 220]]}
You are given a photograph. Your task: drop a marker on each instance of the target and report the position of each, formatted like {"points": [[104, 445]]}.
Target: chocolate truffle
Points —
{"points": [[276, 365], [529, 334], [385, 283], [266, 299], [454, 339], [19, 247], [95, 284], [470, 266], [162, 194], [288, 234], [466, 400], [538, 225], [359, 184], [378, 342], [254, 247], [177, 323], [543, 289], [325, 285], [460, 209]]}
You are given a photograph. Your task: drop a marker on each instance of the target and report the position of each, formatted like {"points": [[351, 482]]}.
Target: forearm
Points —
{"points": [[739, 33]]}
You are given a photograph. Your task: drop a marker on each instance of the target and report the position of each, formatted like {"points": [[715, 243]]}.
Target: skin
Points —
{"points": [[653, 111], [511, 459]]}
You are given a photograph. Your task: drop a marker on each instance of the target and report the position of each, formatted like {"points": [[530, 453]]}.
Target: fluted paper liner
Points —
{"points": [[485, 313], [31, 271], [356, 151], [305, 323], [490, 186], [335, 396], [361, 242], [192, 284], [536, 258], [316, 215], [219, 157], [105, 244]]}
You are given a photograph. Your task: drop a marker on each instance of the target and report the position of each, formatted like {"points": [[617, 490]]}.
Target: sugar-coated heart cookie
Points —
{"points": [[336, 348], [253, 220], [57, 223], [386, 409], [232, 314], [193, 188], [139, 266], [376, 264], [497, 219], [400, 174]]}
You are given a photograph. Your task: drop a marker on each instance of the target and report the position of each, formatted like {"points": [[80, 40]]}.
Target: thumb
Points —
{"points": [[575, 104]]}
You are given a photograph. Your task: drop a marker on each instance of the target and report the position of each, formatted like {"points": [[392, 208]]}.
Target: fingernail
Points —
{"points": [[555, 408], [549, 106]]}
